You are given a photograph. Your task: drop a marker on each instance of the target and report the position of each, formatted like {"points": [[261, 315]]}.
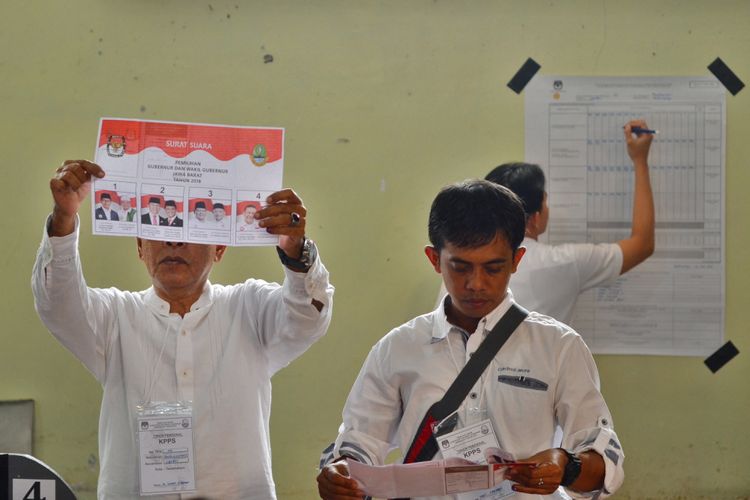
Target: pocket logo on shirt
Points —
{"points": [[523, 382]]}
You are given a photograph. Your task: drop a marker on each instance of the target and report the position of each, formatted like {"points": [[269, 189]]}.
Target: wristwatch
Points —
{"points": [[572, 468], [306, 258]]}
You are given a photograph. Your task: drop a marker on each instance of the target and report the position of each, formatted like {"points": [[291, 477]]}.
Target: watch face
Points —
{"points": [[572, 469], [308, 253], [305, 260]]}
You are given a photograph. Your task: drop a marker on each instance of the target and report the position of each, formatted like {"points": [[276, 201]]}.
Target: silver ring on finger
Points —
{"points": [[296, 219]]}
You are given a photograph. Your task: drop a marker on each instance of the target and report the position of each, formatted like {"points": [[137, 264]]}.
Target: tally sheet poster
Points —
{"points": [[674, 302], [188, 182]]}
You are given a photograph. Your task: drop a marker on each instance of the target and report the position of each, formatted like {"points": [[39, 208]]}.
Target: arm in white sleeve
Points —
{"points": [[76, 315], [288, 322], [584, 417], [598, 264]]}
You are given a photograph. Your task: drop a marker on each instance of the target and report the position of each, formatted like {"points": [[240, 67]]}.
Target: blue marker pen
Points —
{"points": [[639, 130]]}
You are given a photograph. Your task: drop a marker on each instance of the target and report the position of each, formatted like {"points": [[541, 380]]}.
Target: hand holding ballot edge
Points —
{"points": [[335, 482], [285, 215], [70, 186], [436, 477]]}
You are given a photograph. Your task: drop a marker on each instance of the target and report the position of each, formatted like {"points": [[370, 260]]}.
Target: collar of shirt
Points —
{"points": [[529, 242], [161, 307], [441, 327]]}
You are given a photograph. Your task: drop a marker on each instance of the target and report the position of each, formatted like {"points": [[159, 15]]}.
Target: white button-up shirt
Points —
{"points": [[220, 355], [550, 277], [543, 376]]}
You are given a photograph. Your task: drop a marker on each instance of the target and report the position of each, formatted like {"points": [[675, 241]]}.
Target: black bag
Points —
{"points": [[424, 445]]}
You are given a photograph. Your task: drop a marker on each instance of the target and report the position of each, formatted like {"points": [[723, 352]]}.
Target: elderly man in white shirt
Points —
{"points": [[184, 348], [544, 376]]}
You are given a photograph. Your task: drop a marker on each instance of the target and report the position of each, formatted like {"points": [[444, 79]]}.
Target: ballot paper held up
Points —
{"points": [[187, 182]]}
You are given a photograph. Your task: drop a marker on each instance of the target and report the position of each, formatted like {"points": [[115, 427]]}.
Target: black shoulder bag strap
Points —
{"points": [[424, 446]]}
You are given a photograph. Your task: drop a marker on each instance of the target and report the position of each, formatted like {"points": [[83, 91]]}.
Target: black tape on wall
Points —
{"points": [[523, 75], [721, 357], [726, 76]]}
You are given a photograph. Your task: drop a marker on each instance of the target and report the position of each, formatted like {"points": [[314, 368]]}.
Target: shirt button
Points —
{"points": [[184, 333], [473, 395]]}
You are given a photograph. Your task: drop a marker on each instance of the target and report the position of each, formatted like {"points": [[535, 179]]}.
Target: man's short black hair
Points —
{"points": [[106, 196], [470, 214], [170, 203], [524, 179]]}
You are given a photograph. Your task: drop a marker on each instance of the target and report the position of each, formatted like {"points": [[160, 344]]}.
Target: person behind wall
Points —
{"points": [[542, 377], [183, 339], [552, 276]]}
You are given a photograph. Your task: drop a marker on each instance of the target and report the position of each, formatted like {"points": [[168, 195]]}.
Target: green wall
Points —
{"points": [[383, 103]]}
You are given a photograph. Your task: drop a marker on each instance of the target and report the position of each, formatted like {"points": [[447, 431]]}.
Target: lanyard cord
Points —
{"points": [[154, 368]]}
